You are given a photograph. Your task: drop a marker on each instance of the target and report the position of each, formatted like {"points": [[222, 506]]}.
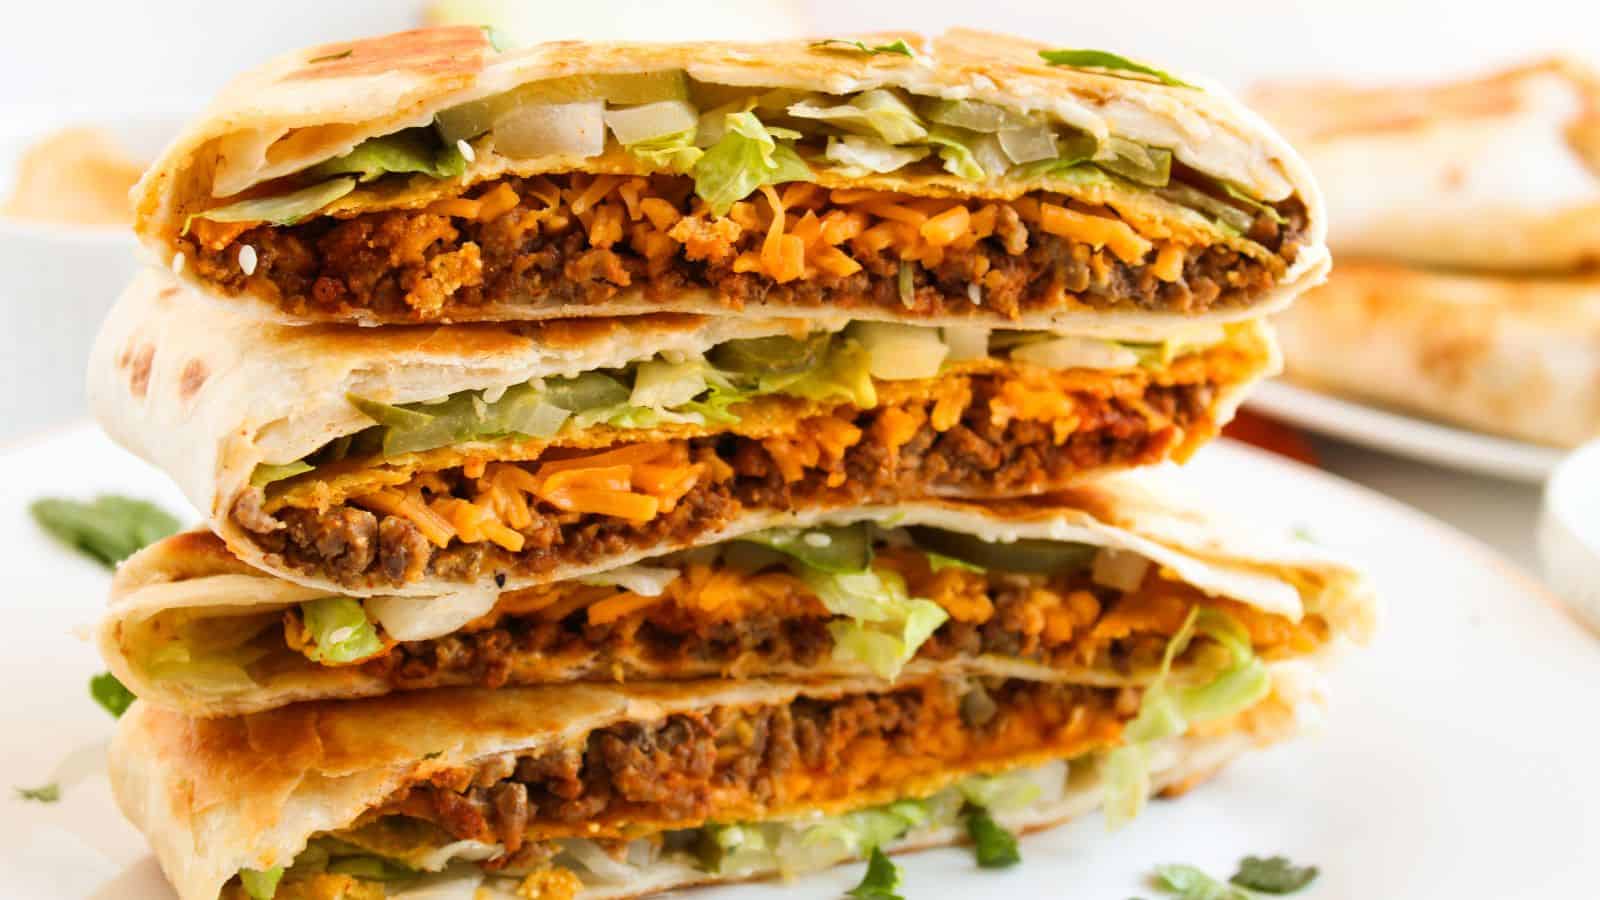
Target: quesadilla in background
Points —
{"points": [[1510, 356], [425, 459], [1499, 173], [1086, 588], [597, 792], [426, 176]]}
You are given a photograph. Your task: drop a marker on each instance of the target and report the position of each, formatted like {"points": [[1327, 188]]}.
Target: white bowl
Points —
{"points": [[56, 283], [1569, 532]]}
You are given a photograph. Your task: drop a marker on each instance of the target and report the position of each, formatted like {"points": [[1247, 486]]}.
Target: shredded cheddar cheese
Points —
{"points": [[805, 230]]}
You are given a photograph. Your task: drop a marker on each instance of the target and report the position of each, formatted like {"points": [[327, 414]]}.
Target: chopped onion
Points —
{"points": [[1028, 144], [646, 581], [552, 129], [424, 618], [599, 862], [1121, 570], [1072, 352], [432, 859], [966, 342], [871, 154], [652, 120], [991, 157], [898, 352]]}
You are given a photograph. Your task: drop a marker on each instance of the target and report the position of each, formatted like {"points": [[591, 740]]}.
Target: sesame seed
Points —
{"points": [[973, 294], [817, 539], [247, 259], [466, 150], [178, 259]]}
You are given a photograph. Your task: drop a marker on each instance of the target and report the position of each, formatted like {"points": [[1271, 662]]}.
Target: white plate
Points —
{"points": [[1402, 434], [1458, 759]]}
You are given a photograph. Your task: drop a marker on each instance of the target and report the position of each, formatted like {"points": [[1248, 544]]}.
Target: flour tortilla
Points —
{"points": [[1276, 574], [315, 104], [208, 395], [217, 795], [1499, 173], [1511, 356]]}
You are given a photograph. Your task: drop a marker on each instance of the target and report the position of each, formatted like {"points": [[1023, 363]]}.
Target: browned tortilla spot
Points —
{"points": [[193, 377], [424, 51]]}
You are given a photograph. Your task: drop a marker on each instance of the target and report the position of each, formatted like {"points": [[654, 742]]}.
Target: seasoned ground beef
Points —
{"points": [[730, 763], [976, 454], [667, 641], [550, 243]]}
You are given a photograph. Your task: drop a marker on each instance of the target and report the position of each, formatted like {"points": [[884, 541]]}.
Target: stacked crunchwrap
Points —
{"points": [[726, 484]]}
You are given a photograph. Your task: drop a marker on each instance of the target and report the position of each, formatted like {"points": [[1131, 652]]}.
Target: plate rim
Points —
{"points": [[1404, 435]]}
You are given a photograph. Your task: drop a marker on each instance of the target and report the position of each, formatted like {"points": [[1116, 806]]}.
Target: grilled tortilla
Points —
{"points": [[1512, 356], [322, 453], [1497, 173], [1100, 581], [587, 791], [426, 176]]}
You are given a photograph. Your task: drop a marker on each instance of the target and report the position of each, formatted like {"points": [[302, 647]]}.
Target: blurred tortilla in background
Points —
{"points": [[1466, 220], [77, 175]]}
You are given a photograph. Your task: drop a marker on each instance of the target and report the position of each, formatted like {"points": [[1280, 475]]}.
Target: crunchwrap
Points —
{"points": [[427, 176], [1085, 588], [424, 459]]}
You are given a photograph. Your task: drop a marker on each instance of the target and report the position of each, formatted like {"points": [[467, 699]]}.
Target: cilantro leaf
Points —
{"points": [[342, 54], [881, 881], [111, 694], [1110, 62], [49, 793], [1273, 875], [995, 845], [109, 528], [899, 47], [1190, 883]]}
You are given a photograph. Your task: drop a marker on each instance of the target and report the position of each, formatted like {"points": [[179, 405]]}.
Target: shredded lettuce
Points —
{"points": [[973, 115], [844, 375], [278, 209], [675, 151], [1149, 166], [266, 474], [417, 150], [857, 155], [1168, 710], [887, 624], [261, 884], [746, 156], [878, 113], [340, 630], [955, 148]]}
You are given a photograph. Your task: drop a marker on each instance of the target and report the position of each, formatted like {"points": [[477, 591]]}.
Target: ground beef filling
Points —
{"points": [[1066, 620], [738, 763], [360, 548], [567, 239]]}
